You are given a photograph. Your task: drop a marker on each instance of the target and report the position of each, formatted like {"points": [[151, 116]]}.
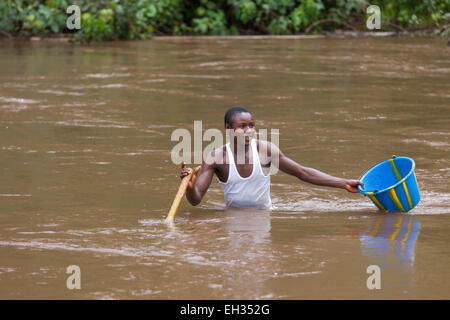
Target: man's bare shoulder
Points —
{"points": [[262, 143], [264, 146]]}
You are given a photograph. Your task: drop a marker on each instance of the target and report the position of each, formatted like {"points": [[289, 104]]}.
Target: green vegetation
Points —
{"points": [[140, 19]]}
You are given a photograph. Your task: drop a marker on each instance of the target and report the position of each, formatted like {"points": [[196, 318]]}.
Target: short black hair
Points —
{"points": [[229, 115]]}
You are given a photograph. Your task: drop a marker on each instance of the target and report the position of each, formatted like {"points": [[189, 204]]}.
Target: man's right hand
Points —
{"points": [[185, 172]]}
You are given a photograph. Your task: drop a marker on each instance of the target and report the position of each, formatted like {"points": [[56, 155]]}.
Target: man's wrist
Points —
{"points": [[342, 183]]}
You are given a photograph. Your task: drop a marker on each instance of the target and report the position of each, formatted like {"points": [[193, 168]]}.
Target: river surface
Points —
{"points": [[87, 178]]}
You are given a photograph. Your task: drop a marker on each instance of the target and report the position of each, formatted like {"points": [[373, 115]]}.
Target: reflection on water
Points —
{"points": [[248, 244], [390, 242], [256, 222], [392, 233]]}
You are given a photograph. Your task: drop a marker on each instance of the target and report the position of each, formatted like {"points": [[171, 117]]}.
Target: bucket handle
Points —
{"points": [[364, 192]]}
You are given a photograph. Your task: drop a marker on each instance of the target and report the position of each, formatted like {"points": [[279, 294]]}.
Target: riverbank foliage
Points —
{"points": [[140, 19]]}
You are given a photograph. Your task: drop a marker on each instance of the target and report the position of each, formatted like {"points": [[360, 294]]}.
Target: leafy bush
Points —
{"points": [[140, 19], [416, 13]]}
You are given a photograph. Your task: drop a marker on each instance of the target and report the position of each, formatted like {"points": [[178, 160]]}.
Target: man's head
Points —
{"points": [[241, 121]]}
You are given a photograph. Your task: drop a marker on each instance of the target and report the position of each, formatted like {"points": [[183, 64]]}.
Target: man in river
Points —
{"points": [[241, 164]]}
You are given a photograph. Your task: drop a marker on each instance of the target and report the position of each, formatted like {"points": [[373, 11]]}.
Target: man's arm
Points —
{"points": [[310, 175], [199, 184]]}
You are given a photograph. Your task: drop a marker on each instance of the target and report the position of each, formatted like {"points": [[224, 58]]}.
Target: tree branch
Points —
{"points": [[6, 34], [328, 20]]}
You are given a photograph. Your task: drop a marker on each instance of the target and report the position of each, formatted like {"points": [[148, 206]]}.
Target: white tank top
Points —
{"points": [[252, 192]]}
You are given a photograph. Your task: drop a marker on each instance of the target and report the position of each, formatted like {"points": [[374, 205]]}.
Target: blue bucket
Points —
{"points": [[392, 184]]}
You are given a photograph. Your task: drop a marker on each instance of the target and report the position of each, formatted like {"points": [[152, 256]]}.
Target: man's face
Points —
{"points": [[243, 126]]}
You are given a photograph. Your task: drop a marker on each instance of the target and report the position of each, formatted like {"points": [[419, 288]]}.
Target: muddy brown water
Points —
{"points": [[87, 178]]}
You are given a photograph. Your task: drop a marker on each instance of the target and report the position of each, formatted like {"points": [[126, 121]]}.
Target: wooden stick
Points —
{"points": [[178, 197]]}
